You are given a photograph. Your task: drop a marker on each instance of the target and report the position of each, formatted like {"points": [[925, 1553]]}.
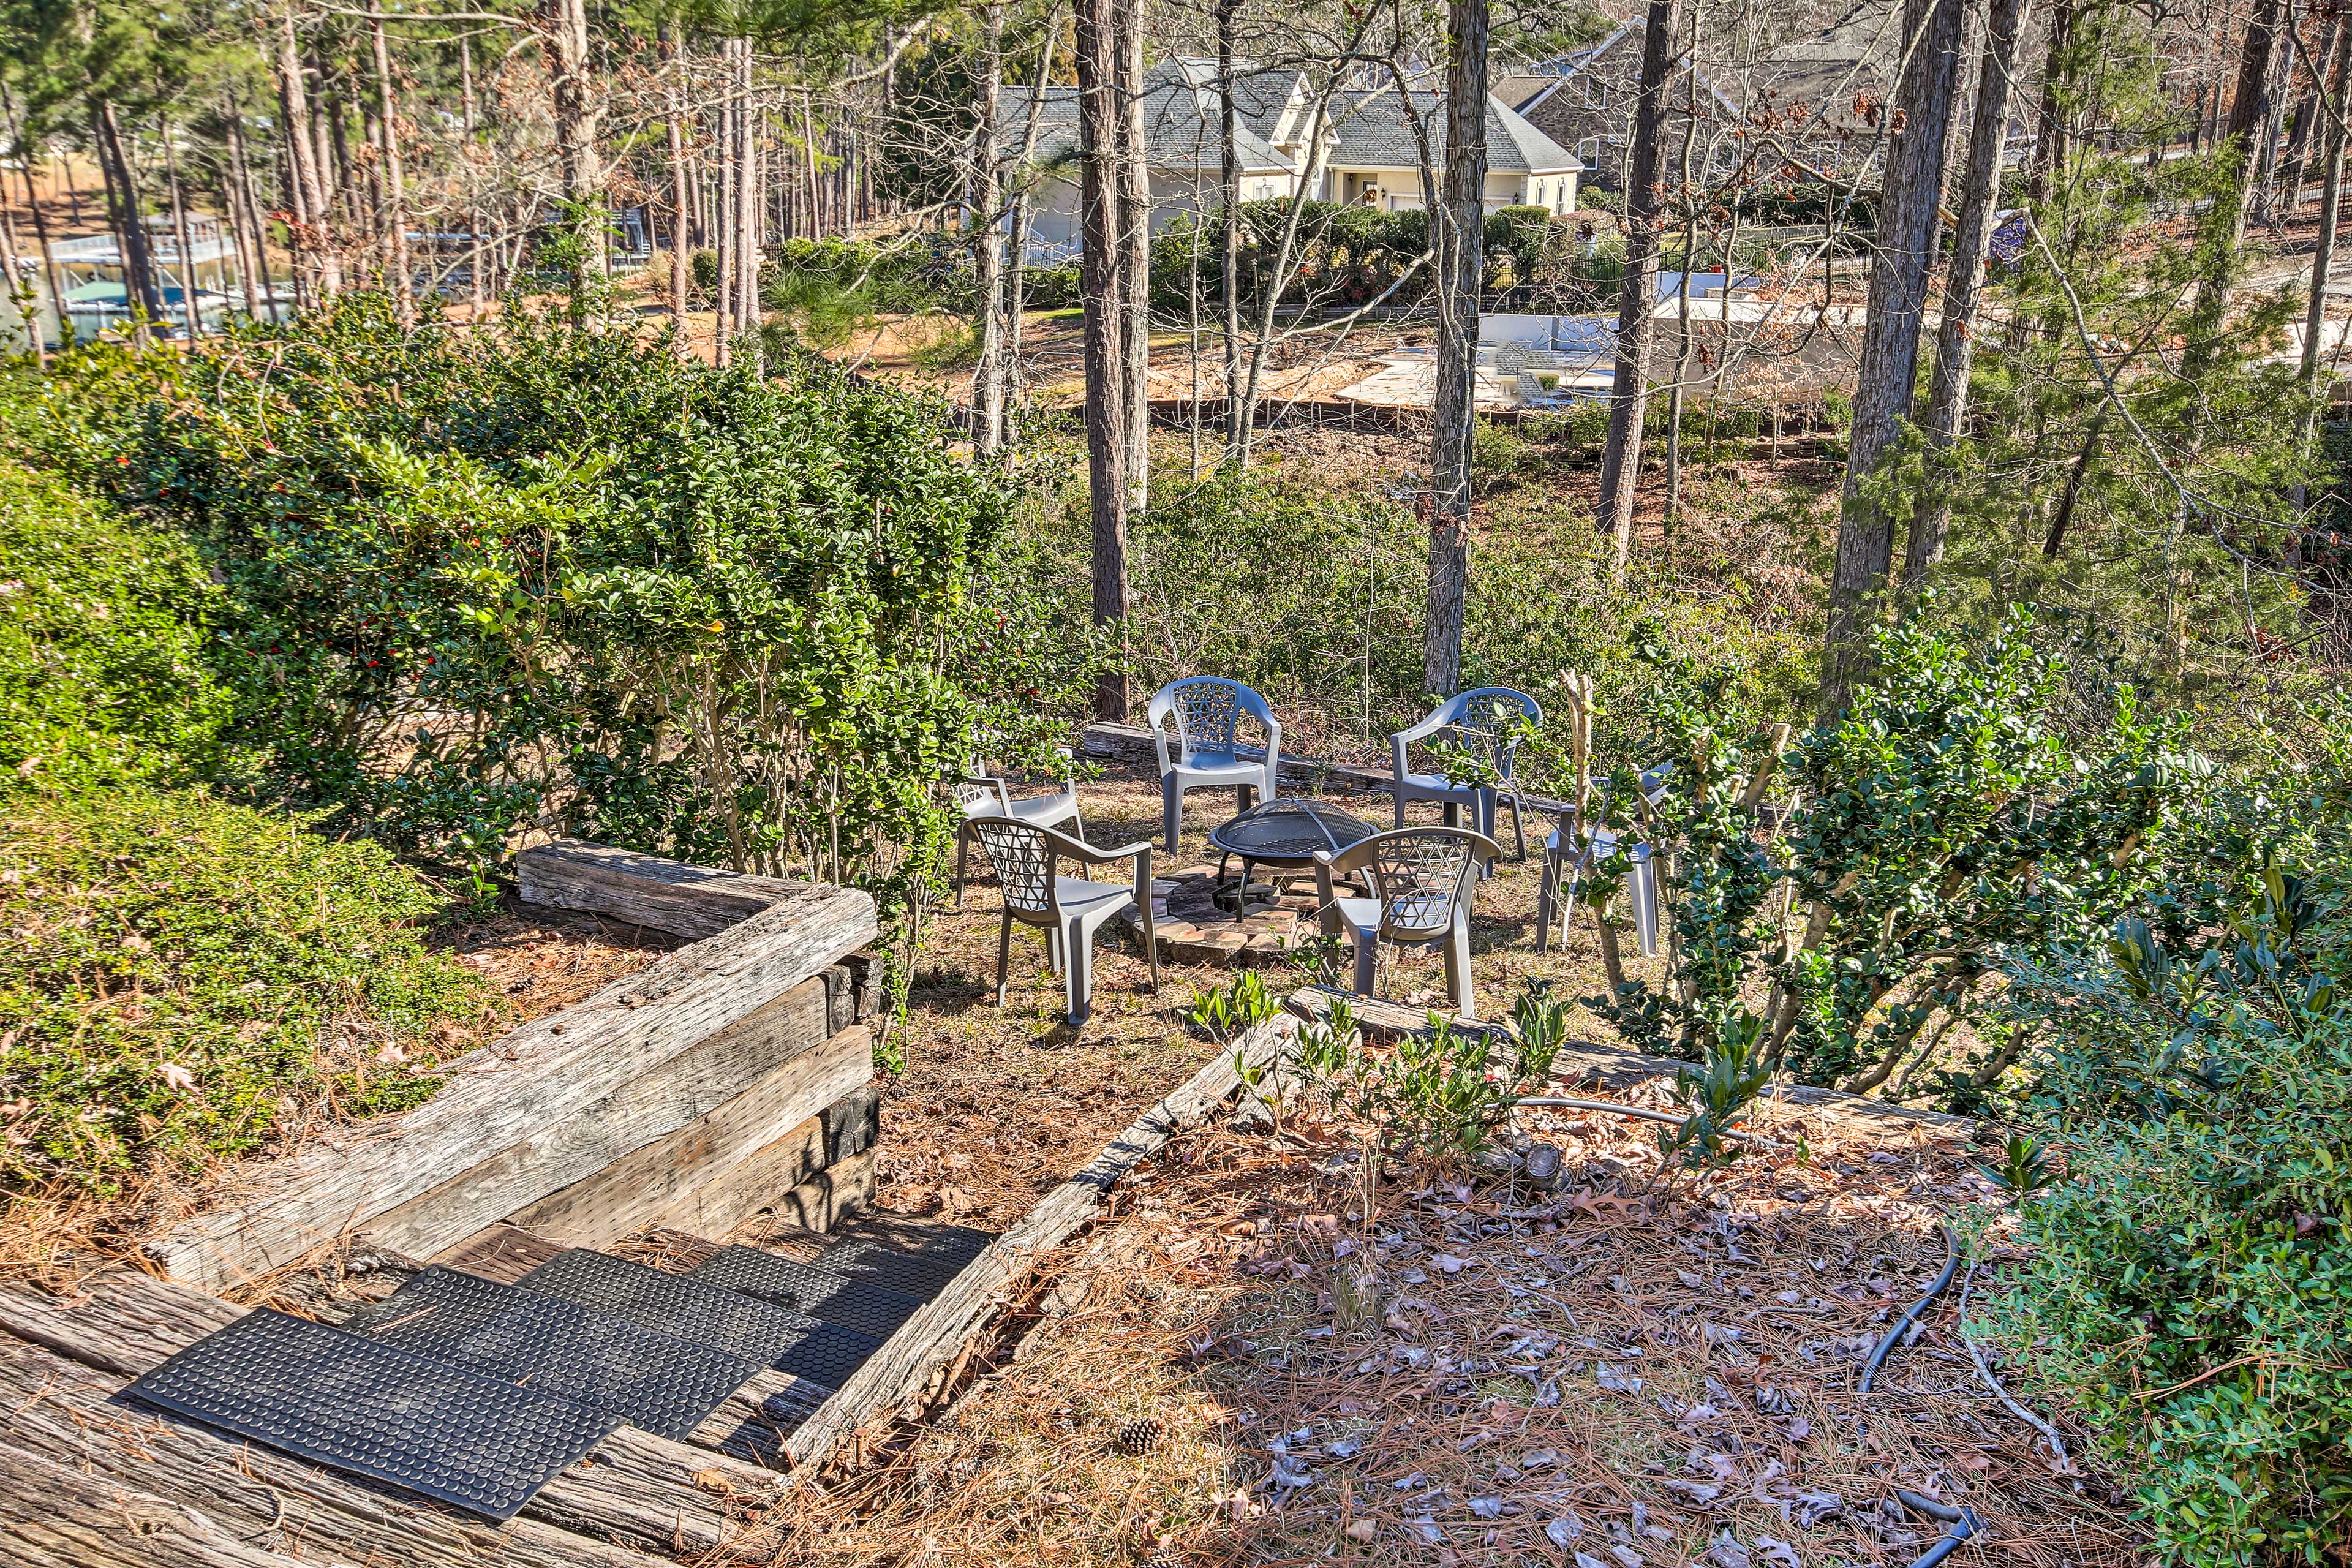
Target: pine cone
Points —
{"points": [[1140, 1436]]}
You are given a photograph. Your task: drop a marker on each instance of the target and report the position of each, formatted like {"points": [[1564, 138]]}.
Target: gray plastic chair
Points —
{"points": [[1481, 722], [979, 795], [1420, 879], [1208, 710], [1569, 852], [1069, 909]]}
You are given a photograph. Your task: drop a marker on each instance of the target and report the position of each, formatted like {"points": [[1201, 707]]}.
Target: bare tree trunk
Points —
{"points": [[988, 378], [2331, 204], [681, 259], [730, 120], [130, 223], [1461, 214], [17, 133], [395, 194], [1102, 264], [1629, 398], [191, 314], [1229, 264], [1677, 396], [2050, 144], [564, 32], [305, 186], [2250, 116], [747, 197], [1906, 250], [1947, 396], [1135, 255], [475, 292], [255, 237]]}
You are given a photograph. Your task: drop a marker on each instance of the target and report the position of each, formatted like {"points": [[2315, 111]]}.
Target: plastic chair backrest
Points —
{"points": [[1024, 858], [1484, 722], [1419, 873], [1208, 710]]}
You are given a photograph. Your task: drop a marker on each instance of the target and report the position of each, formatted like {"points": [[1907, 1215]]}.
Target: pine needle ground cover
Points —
{"points": [[1270, 1356], [185, 981]]}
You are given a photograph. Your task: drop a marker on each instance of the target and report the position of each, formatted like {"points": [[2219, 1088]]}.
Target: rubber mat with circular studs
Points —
{"points": [[376, 1410], [540, 1342], [703, 1314], [822, 1293]]}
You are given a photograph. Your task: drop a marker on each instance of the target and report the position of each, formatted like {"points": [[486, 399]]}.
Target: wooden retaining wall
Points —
{"points": [[732, 1074]]}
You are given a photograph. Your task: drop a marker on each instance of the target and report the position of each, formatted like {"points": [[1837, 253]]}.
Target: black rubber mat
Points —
{"points": [[685, 1309], [921, 1274], [823, 1294], [557, 1347], [364, 1405]]}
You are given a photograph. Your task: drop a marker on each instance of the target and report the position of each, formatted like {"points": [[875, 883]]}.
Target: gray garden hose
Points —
{"points": [[1911, 1313]]}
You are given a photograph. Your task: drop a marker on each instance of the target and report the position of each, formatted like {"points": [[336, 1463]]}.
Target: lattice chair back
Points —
{"points": [[1208, 711], [1023, 856], [1419, 874], [1488, 722], [974, 795]]}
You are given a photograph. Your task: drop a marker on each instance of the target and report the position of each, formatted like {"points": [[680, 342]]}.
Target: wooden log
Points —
{"points": [[645, 890], [758, 1417], [939, 1330], [625, 1191], [635, 1490], [1582, 1062], [504, 1253], [67, 1413], [535, 1080], [54, 1516], [829, 1199]]}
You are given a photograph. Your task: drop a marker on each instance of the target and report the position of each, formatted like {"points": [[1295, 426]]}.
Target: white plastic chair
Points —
{"points": [[979, 795], [1069, 909], [1420, 879], [1208, 710], [1482, 721]]}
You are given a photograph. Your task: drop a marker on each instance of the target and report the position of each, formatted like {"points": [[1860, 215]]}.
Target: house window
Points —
{"points": [[1539, 193], [1588, 152]]}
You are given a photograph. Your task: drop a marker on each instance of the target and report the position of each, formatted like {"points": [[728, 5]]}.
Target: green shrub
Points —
{"points": [[476, 581], [182, 979], [102, 676], [2189, 1286]]}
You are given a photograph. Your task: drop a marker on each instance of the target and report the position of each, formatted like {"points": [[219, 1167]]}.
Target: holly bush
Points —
{"points": [[2188, 1286], [554, 575], [1943, 822]]}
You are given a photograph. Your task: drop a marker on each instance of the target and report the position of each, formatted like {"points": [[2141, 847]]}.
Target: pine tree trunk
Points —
{"points": [[17, 133], [2322, 256], [747, 197], [2050, 145], [1677, 394], [306, 186], [988, 378], [130, 223], [191, 311], [395, 194], [1907, 234], [722, 313], [564, 38], [1135, 255], [1461, 211], [1102, 266], [1629, 398], [2250, 116], [1229, 262], [256, 239], [1948, 397], [681, 257], [476, 291]]}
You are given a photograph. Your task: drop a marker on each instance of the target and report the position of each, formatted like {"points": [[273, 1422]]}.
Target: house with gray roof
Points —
{"points": [[1367, 145]]}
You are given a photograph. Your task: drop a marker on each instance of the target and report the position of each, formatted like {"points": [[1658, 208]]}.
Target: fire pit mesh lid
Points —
{"points": [[1293, 829]]}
